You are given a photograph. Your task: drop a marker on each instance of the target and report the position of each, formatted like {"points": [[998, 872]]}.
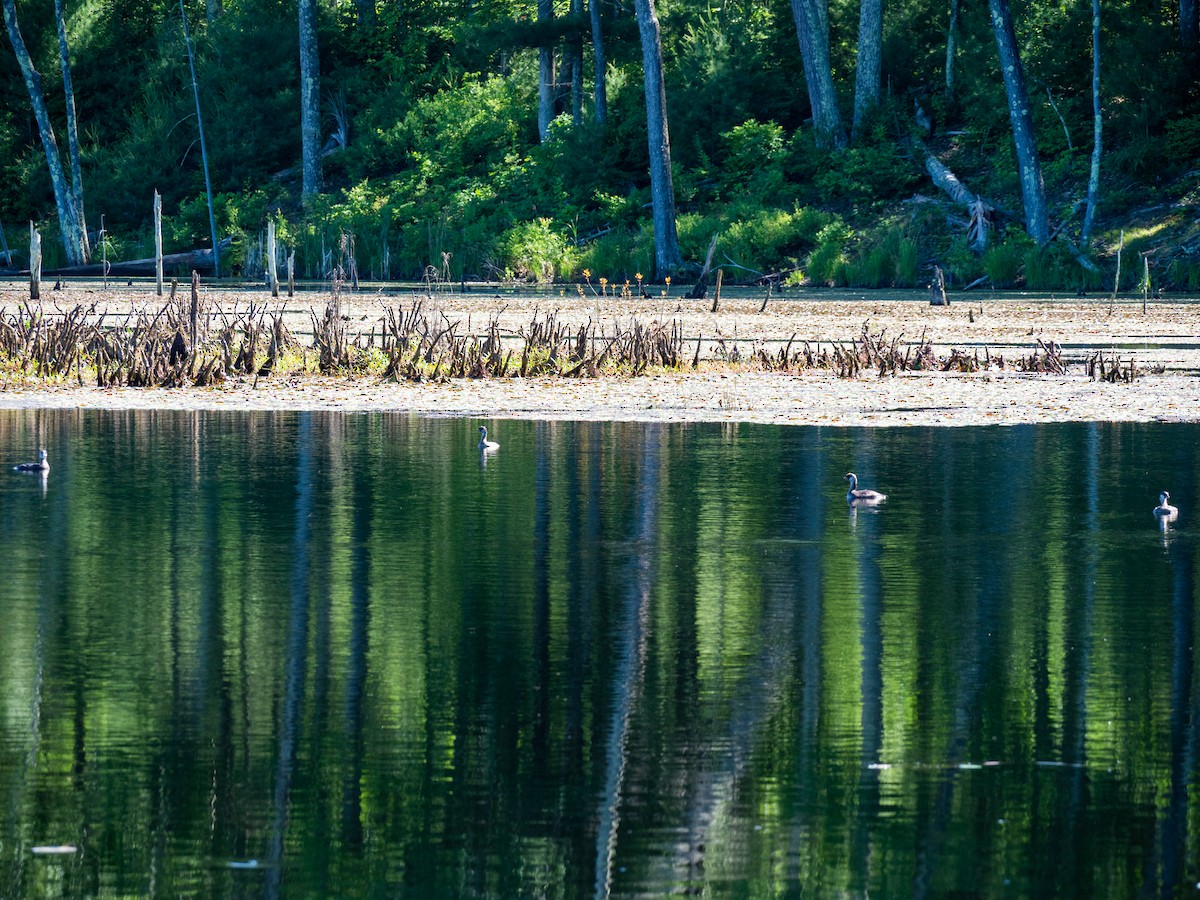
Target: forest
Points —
{"points": [[1021, 143]]}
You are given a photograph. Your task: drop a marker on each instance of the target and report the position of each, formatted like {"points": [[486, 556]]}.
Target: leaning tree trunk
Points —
{"points": [[72, 129], [545, 13], [1093, 193], [1033, 190], [662, 191], [310, 101], [601, 88], [867, 72], [812, 30], [68, 221]]}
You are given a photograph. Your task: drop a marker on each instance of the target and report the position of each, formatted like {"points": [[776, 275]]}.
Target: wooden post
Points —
{"points": [[272, 272], [1145, 280], [717, 292], [292, 273], [103, 252], [195, 317], [158, 262], [766, 299], [35, 263], [937, 289]]}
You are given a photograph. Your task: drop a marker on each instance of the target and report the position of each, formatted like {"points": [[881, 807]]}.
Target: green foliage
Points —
{"points": [[761, 240], [890, 260], [753, 164], [533, 251], [1051, 268], [827, 264], [873, 168], [960, 263], [1002, 263], [444, 167], [619, 255], [1183, 141], [1184, 275]]}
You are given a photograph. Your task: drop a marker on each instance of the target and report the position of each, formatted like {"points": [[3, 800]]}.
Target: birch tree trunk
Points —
{"points": [[545, 14], [812, 30], [35, 263], [68, 221], [601, 65], [158, 250], [1093, 193], [951, 50], [662, 190], [867, 70], [1033, 190], [64, 56], [310, 101]]}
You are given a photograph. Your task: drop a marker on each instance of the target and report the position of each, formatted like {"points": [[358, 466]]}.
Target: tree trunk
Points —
{"points": [[576, 46], [951, 50], [1093, 193], [1033, 190], [272, 271], [867, 70], [812, 29], [68, 221], [35, 263], [545, 13], [1189, 25], [212, 219], [72, 128], [662, 191], [158, 250], [601, 65], [310, 101]]}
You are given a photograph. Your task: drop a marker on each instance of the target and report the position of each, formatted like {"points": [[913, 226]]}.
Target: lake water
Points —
{"points": [[314, 654]]}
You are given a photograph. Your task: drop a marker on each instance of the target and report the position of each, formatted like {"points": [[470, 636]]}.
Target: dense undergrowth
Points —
{"points": [[442, 176]]}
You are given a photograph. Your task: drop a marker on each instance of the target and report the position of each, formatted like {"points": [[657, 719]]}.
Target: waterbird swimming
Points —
{"points": [[1164, 508], [42, 465], [484, 443], [863, 496]]}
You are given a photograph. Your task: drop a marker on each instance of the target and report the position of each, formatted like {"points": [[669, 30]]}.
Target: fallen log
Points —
{"points": [[199, 260]]}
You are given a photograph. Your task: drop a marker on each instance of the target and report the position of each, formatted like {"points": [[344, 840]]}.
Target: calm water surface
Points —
{"points": [[312, 654]]}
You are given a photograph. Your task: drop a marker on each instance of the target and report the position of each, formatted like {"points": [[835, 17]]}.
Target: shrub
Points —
{"points": [[1183, 141], [534, 251], [754, 156], [1002, 263], [827, 264]]}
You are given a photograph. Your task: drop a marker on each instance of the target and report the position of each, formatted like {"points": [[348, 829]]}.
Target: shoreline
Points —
{"points": [[1165, 340], [910, 399]]}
